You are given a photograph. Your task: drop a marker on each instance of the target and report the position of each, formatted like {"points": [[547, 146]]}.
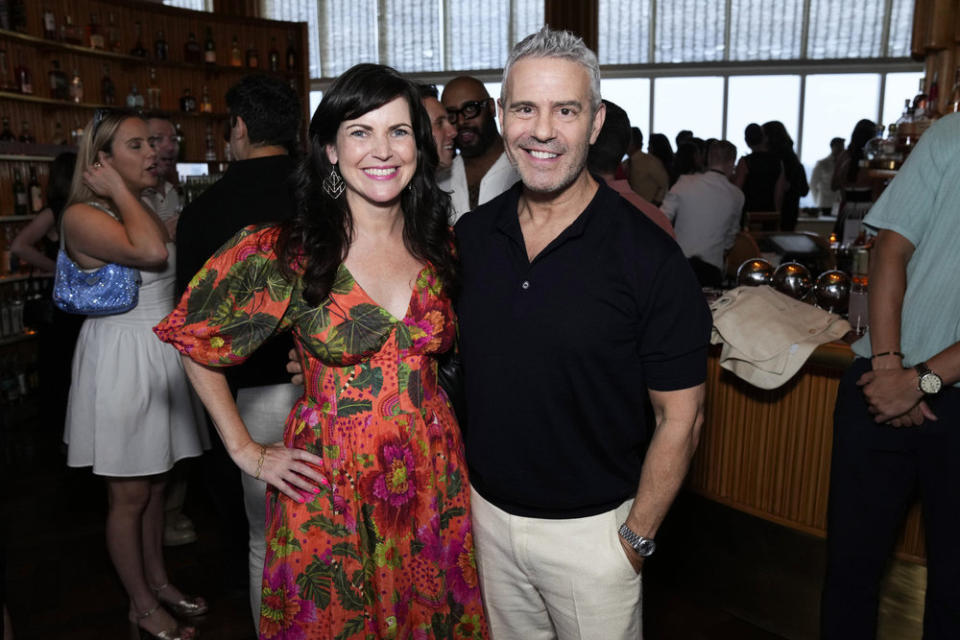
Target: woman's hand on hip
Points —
{"points": [[289, 470]]}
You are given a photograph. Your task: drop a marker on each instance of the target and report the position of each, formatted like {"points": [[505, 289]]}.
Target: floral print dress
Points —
{"points": [[385, 550]]}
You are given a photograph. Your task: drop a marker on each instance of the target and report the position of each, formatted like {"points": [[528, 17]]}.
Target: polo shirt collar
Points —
{"points": [[508, 218]]}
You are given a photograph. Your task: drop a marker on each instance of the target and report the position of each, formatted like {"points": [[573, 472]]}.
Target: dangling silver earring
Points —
{"points": [[333, 184], [412, 190]]}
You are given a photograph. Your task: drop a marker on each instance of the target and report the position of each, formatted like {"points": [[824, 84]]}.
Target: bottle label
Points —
{"points": [[210, 57], [36, 198]]}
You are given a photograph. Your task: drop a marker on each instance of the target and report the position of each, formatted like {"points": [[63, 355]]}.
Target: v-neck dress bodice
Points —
{"points": [[386, 547]]}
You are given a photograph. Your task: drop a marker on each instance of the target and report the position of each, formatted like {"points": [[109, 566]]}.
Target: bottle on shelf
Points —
{"points": [[6, 77], [24, 77], [108, 91], [134, 98], [21, 201], [192, 53], [95, 37], [69, 32], [17, 15], [59, 137], [26, 136], [76, 87], [933, 98], [113, 34], [6, 134], [253, 57], [236, 58], [138, 49], [188, 104], [153, 91], [181, 143], [160, 48], [76, 134], [209, 48], [58, 81], [206, 106], [36, 193], [210, 155], [293, 59], [273, 57], [954, 104], [49, 25]]}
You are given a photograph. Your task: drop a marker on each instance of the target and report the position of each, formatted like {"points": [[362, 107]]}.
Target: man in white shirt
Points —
{"points": [[705, 211], [444, 133], [482, 171], [823, 195], [164, 199]]}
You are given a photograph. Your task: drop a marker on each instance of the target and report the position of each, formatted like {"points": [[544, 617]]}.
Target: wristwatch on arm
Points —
{"points": [[643, 546], [928, 382]]}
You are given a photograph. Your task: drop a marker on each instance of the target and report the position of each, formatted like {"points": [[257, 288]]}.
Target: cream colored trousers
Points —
{"points": [[546, 579]]}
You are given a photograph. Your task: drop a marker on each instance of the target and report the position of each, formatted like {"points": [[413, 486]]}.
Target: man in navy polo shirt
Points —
{"points": [[577, 314]]}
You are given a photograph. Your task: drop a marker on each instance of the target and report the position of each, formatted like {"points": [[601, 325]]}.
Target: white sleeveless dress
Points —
{"points": [[131, 410]]}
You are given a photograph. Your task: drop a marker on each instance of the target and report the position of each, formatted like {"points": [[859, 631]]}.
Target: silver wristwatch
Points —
{"points": [[928, 382], [643, 546]]}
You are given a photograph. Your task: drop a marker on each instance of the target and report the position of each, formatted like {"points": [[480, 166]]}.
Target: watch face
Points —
{"points": [[930, 383], [646, 547]]}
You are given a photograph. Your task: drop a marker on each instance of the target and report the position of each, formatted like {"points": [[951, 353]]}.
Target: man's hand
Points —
{"points": [[893, 395], [294, 367], [635, 558]]}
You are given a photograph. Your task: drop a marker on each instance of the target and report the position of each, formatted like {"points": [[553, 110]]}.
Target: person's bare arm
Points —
{"points": [[287, 469], [94, 238], [23, 246], [679, 415]]}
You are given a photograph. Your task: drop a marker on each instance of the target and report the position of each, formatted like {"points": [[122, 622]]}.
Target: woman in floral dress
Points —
{"points": [[368, 532]]}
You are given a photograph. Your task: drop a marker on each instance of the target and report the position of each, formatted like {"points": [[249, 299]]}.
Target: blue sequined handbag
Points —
{"points": [[111, 289]]}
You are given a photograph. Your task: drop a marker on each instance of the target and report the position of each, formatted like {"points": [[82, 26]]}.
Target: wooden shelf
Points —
{"points": [[28, 334], [93, 105], [26, 218], [45, 45]]}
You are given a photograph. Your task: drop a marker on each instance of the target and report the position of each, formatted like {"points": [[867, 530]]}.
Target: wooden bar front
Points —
{"points": [[767, 453]]}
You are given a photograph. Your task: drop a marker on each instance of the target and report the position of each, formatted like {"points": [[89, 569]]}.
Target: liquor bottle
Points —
{"points": [[160, 49], [95, 37], [153, 91], [210, 155], [49, 25], [24, 77], [58, 81], [76, 87], [17, 11], [76, 134], [292, 57], [181, 144], [59, 137], [236, 58], [6, 134], [21, 200], [26, 135], [192, 54], [188, 104], [933, 98], [206, 106], [253, 57], [274, 56], [921, 103], [113, 34], [134, 99], [954, 105], [36, 193], [6, 79], [138, 49], [69, 32], [108, 91], [209, 49]]}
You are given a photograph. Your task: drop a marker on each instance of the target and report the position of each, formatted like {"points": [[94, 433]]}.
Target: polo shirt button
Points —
{"points": [[525, 284]]}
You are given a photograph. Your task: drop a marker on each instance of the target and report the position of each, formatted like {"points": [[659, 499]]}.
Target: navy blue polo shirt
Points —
{"points": [[558, 353]]}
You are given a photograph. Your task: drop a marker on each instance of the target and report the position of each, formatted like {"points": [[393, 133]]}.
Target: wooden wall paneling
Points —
{"points": [[767, 453]]}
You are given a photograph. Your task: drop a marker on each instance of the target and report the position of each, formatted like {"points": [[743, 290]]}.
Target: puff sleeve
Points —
{"points": [[233, 304]]}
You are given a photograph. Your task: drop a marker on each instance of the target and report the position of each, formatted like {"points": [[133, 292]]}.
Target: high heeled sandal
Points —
{"points": [[176, 633], [186, 606]]}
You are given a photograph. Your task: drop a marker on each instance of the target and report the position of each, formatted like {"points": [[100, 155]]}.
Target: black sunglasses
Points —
{"points": [[469, 110]]}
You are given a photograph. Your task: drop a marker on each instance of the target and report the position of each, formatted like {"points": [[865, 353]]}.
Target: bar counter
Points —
{"points": [[767, 453]]}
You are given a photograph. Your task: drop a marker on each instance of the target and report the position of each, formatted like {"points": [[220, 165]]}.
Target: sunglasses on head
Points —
{"points": [[98, 117], [469, 110]]}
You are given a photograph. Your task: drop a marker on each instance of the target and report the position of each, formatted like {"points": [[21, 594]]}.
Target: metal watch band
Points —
{"points": [[643, 546]]}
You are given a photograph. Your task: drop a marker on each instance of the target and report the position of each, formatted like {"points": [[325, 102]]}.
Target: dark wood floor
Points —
{"points": [[59, 582]]}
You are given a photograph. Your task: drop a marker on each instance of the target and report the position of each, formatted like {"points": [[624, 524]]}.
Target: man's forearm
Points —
{"points": [[888, 283]]}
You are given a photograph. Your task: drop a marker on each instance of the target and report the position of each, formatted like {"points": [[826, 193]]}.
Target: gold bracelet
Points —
{"points": [[263, 453]]}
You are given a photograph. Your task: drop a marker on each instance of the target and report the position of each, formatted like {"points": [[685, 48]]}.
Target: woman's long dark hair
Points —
{"points": [[322, 228], [862, 132]]}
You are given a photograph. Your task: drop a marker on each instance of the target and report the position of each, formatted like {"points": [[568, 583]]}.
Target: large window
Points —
{"points": [[760, 99], [688, 103], [834, 103]]}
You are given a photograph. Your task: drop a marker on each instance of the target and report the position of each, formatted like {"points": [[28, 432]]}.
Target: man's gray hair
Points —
{"points": [[550, 43]]}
